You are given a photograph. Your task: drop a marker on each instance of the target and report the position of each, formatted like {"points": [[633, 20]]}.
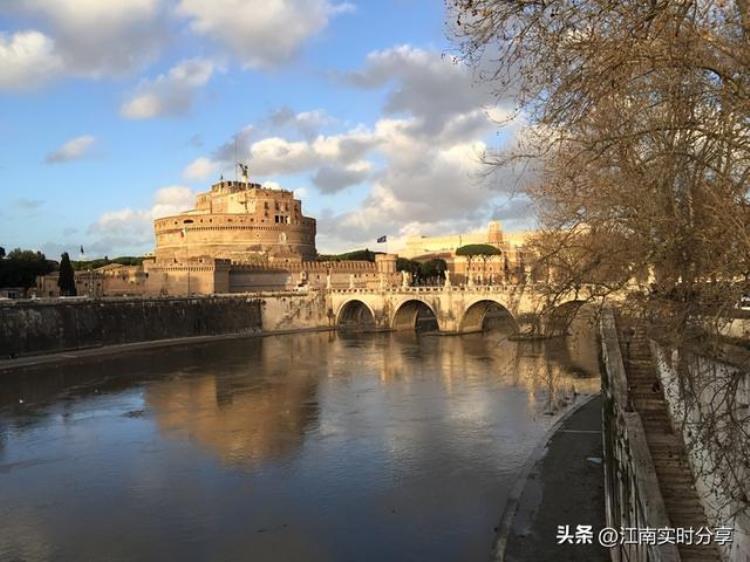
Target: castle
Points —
{"points": [[237, 221], [243, 237]]}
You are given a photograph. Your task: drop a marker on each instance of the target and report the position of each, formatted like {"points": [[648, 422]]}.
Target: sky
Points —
{"points": [[115, 113]]}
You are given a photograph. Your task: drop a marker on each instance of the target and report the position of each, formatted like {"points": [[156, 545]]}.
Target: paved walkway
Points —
{"points": [[564, 487]]}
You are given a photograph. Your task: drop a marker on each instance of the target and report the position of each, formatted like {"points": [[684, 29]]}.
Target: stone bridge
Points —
{"points": [[457, 309]]}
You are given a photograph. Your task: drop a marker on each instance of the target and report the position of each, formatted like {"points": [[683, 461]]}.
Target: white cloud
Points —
{"points": [[279, 156], [260, 33], [427, 86], [172, 200], [74, 149], [169, 94], [424, 157], [131, 230], [27, 59], [95, 38], [307, 123], [200, 169], [338, 159], [333, 178]]}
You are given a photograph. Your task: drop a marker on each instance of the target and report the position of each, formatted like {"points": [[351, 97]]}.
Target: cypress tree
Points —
{"points": [[67, 280]]}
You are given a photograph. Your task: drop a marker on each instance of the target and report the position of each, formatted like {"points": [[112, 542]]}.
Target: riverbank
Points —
{"points": [[563, 484], [40, 326], [79, 356]]}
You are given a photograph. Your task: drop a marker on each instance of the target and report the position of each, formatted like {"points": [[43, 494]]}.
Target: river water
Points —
{"points": [[309, 447]]}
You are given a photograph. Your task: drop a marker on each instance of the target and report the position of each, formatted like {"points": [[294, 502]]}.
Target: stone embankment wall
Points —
{"points": [[632, 494], [296, 311], [37, 326], [712, 380]]}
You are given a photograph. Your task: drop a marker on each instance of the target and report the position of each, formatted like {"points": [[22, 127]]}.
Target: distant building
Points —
{"points": [[509, 265], [12, 292]]}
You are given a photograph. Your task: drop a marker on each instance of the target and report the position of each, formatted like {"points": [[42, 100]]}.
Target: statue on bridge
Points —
{"points": [[328, 280], [447, 278], [351, 280], [404, 279]]}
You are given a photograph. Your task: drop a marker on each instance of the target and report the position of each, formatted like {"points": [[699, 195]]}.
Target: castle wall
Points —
{"points": [[231, 237], [295, 311], [196, 277], [235, 220], [270, 276]]}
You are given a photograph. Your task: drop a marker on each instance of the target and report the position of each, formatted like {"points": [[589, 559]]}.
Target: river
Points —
{"points": [[314, 447]]}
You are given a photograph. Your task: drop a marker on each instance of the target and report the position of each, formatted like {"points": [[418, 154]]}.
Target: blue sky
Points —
{"points": [[114, 113]]}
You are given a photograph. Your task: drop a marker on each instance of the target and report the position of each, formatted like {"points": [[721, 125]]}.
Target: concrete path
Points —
{"points": [[564, 487]]}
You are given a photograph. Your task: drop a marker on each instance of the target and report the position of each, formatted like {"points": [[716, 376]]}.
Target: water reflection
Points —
{"points": [[244, 419], [314, 447]]}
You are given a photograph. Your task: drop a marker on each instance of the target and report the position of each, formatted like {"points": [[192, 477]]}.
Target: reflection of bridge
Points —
{"points": [[456, 309]]}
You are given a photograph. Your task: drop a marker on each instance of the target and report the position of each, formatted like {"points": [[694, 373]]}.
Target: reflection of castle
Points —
{"points": [[241, 426], [242, 417]]}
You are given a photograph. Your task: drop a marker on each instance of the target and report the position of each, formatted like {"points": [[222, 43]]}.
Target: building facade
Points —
{"points": [[242, 237], [511, 264], [237, 221], [239, 237]]}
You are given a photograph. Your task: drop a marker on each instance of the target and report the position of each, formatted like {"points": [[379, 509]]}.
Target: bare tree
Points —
{"points": [[639, 115]]}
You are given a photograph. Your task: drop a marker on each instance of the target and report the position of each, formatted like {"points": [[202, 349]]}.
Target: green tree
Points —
{"points": [[432, 270], [2, 252], [356, 255], [478, 250], [66, 281], [20, 268], [403, 264]]}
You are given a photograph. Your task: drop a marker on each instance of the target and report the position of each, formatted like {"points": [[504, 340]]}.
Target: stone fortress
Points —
{"points": [[236, 221], [242, 237]]}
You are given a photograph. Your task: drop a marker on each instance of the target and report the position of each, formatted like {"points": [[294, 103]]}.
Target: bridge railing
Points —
{"points": [[420, 289]]}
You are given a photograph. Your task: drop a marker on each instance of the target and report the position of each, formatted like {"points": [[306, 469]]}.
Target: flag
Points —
{"points": [[382, 239], [82, 252]]}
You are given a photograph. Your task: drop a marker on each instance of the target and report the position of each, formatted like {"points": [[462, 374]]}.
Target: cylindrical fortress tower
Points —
{"points": [[237, 221]]}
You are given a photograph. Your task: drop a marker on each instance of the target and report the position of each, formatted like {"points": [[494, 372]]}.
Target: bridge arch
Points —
{"points": [[414, 314], [557, 319], [355, 313], [478, 315]]}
